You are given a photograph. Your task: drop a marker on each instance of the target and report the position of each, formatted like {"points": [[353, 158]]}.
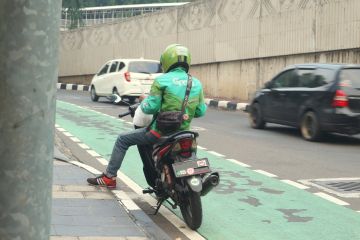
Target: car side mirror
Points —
{"points": [[268, 85]]}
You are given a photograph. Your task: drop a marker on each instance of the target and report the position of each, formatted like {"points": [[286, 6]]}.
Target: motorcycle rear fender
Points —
{"points": [[195, 183]]}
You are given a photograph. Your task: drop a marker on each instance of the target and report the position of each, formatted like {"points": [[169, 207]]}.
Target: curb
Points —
{"points": [[227, 105], [75, 87]]}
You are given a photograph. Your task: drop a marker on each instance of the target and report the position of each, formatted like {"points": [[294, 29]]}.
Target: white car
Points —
{"points": [[128, 78]]}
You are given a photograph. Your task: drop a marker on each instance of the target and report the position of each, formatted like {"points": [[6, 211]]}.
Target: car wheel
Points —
{"points": [[93, 95], [256, 118], [310, 127]]}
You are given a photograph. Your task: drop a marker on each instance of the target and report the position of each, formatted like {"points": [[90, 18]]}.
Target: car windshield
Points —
{"points": [[351, 77], [144, 67]]}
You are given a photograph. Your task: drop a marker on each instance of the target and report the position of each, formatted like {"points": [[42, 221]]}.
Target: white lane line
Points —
{"points": [[57, 126], [84, 146], [358, 211], [67, 134], [216, 154], [170, 216], [75, 139], [331, 199], [103, 161], [295, 184], [93, 153], [129, 123], [90, 169], [265, 173], [238, 163], [201, 148], [61, 129]]}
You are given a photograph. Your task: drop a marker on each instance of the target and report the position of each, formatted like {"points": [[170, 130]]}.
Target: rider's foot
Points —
{"points": [[103, 180]]}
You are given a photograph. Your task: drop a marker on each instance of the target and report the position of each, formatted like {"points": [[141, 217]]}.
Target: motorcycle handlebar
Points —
{"points": [[124, 114]]}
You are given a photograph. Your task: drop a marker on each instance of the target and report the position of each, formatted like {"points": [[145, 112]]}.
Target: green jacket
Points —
{"points": [[167, 94]]}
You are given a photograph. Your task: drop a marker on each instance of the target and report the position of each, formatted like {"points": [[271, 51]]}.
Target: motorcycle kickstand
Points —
{"points": [[158, 205]]}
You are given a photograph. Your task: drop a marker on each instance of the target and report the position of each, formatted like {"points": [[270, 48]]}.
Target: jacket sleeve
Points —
{"points": [[152, 103], [201, 108]]}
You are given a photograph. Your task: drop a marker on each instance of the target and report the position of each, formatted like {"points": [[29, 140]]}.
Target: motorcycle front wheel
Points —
{"points": [[191, 209]]}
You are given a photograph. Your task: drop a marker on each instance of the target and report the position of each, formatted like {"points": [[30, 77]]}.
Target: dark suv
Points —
{"points": [[316, 98]]}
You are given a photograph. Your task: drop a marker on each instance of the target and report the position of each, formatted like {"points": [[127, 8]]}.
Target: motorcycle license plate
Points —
{"points": [[191, 167]]}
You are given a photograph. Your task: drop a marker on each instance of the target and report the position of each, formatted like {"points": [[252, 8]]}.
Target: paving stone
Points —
{"points": [[75, 230], [102, 238], [57, 188], [68, 195], [63, 238], [98, 195], [72, 211], [80, 188]]}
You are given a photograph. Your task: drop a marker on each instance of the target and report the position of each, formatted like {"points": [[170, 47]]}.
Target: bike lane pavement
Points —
{"points": [[245, 205]]}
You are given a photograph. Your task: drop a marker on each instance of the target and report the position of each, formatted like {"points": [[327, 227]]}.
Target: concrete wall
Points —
{"points": [[236, 44]]}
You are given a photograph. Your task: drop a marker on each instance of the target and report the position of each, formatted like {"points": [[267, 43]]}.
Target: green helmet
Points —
{"points": [[175, 55]]}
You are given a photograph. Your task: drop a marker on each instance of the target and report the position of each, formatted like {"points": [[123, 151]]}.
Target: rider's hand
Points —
{"points": [[142, 97]]}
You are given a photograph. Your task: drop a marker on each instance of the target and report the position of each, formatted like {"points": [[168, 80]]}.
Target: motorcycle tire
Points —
{"points": [[191, 209]]}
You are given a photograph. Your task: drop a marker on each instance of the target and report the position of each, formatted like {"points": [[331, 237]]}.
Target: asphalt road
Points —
{"points": [[277, 150]]}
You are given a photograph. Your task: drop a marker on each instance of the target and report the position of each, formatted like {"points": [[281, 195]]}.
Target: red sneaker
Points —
{"points": [[103, 180]]}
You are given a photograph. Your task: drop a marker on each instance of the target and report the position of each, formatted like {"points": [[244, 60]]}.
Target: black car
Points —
{"points": [[316, 98]]}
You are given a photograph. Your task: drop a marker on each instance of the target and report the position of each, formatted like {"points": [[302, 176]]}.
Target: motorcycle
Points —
{"points": [[175, 174]]}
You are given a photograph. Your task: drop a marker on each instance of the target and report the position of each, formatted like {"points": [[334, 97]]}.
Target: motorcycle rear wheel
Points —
{"points": [[191, 209]]}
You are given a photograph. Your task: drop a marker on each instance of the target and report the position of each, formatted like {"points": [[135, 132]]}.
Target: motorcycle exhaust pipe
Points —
{"points": [[210, 182]]}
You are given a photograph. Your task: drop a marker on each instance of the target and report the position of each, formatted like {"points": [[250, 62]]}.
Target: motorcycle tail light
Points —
{"points": [[186, 144]]}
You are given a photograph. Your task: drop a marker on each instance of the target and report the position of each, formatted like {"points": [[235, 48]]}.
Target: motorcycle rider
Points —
{"points": [[166, 94]]}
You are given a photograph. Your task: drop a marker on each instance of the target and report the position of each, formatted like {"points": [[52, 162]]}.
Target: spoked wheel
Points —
{"points": [[191, 209], [310, 128], [256, 118], [93, 95]]}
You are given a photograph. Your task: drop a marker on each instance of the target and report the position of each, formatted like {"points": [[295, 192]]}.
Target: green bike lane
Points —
{"points": [[245, 205]]}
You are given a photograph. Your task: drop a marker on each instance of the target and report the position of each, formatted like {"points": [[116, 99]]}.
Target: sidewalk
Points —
{"points": [[83, 212]]}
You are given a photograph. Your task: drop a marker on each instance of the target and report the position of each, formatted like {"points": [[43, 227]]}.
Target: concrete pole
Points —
{"points": [[29, 36]]}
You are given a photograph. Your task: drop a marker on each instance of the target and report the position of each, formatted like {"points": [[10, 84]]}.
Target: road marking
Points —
{"points": [[170, 216], [331, 199], [216, 154], [295, 184], [201, 148], [265, 173], [84, 146], [87, 167], [103, 161], [67, 134], [238, 163], [93, 153], [61, 129], [57, 126], [75, 139], [129, 123]]}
